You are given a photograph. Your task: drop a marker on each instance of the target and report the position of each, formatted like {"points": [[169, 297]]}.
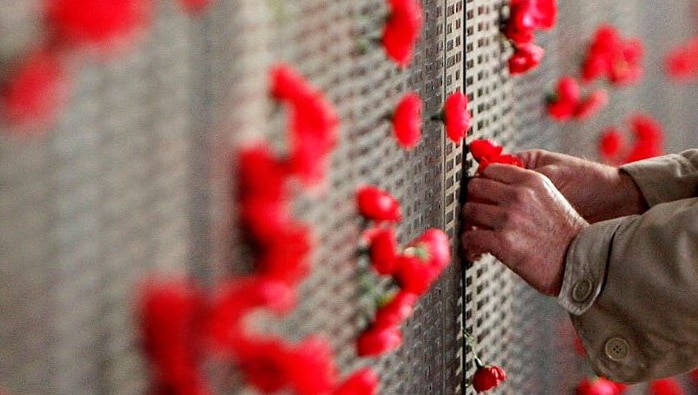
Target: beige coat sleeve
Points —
{"points": [[631, 284]]}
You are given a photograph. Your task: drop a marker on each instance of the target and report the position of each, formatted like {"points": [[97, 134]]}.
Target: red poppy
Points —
{"points": [[313, 370], [485, 149], [312, 123], [486, 152], [402, 29], [383, 251], [237, 298], [525, 57], [265, 363], [668, 386], [170, 314], [286, 258], [563, 103], [377, 205], [378, 340], [260, 174], [611, 56], [527, 16], [626, 67], [397, 310], [611, 145], [195, 6], [263, 219], [649, 138], [681, 63], [35, 91], [591, 104], [488, 377], [456, 116], [597, 386], [361, 382], [423, 261], [407, 120], [96, 21]]}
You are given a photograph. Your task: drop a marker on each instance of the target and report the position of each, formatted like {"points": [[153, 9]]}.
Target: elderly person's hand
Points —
{"points": [[519, 216], [597, 191]]}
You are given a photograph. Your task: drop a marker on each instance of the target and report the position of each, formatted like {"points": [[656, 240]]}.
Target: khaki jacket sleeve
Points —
{"points": [[666, 178], [631, 284]]}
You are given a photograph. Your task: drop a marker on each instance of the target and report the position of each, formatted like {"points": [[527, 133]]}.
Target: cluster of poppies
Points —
{"points": [[525, 18], [648, 141], [37, 85], [412, 268], [181, 325], [610, 58]]}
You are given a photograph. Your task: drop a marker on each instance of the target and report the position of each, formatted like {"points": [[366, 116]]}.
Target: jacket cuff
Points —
{"points": [[677, 173], [585, 266]]}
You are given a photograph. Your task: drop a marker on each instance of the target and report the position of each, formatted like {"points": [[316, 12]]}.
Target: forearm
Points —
{"points": [[643, 272]]}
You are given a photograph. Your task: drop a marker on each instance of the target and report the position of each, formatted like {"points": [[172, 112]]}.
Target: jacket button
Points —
{"points": [[616, 348], [582, 290]]}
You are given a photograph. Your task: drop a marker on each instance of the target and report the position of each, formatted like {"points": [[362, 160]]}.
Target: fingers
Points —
{"points": [[477, 242], [507, 174], [481, 215], [481, 189]]}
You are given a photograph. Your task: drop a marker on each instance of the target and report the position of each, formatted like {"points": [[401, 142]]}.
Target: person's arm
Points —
{"points": [[666, 178], [631, 286]]}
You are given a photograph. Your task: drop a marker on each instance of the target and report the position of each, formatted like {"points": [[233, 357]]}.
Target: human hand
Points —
{"points": [[597, 191], [519, 216]]}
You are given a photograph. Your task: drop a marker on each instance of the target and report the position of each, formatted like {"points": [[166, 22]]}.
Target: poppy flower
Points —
{"points": [[263, 219], [35, 90], [397, 310], [613, 57], [563, 103], [649, 138], [667, 386], [402, 29], [377, 205], [486, 152], [265, 363], [312, 123], [591, 104], [407, 120], [681, 63], [527, 16], [313, 371], [286, 257], [455, 116], [611, 145], [382, 251], [485, 149], [170, 315], [423, 261], [378, 340], [95, 21], [525, 57], [362, 382], [488, 377], [598, 386], [235, 299], [260, 174]]}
